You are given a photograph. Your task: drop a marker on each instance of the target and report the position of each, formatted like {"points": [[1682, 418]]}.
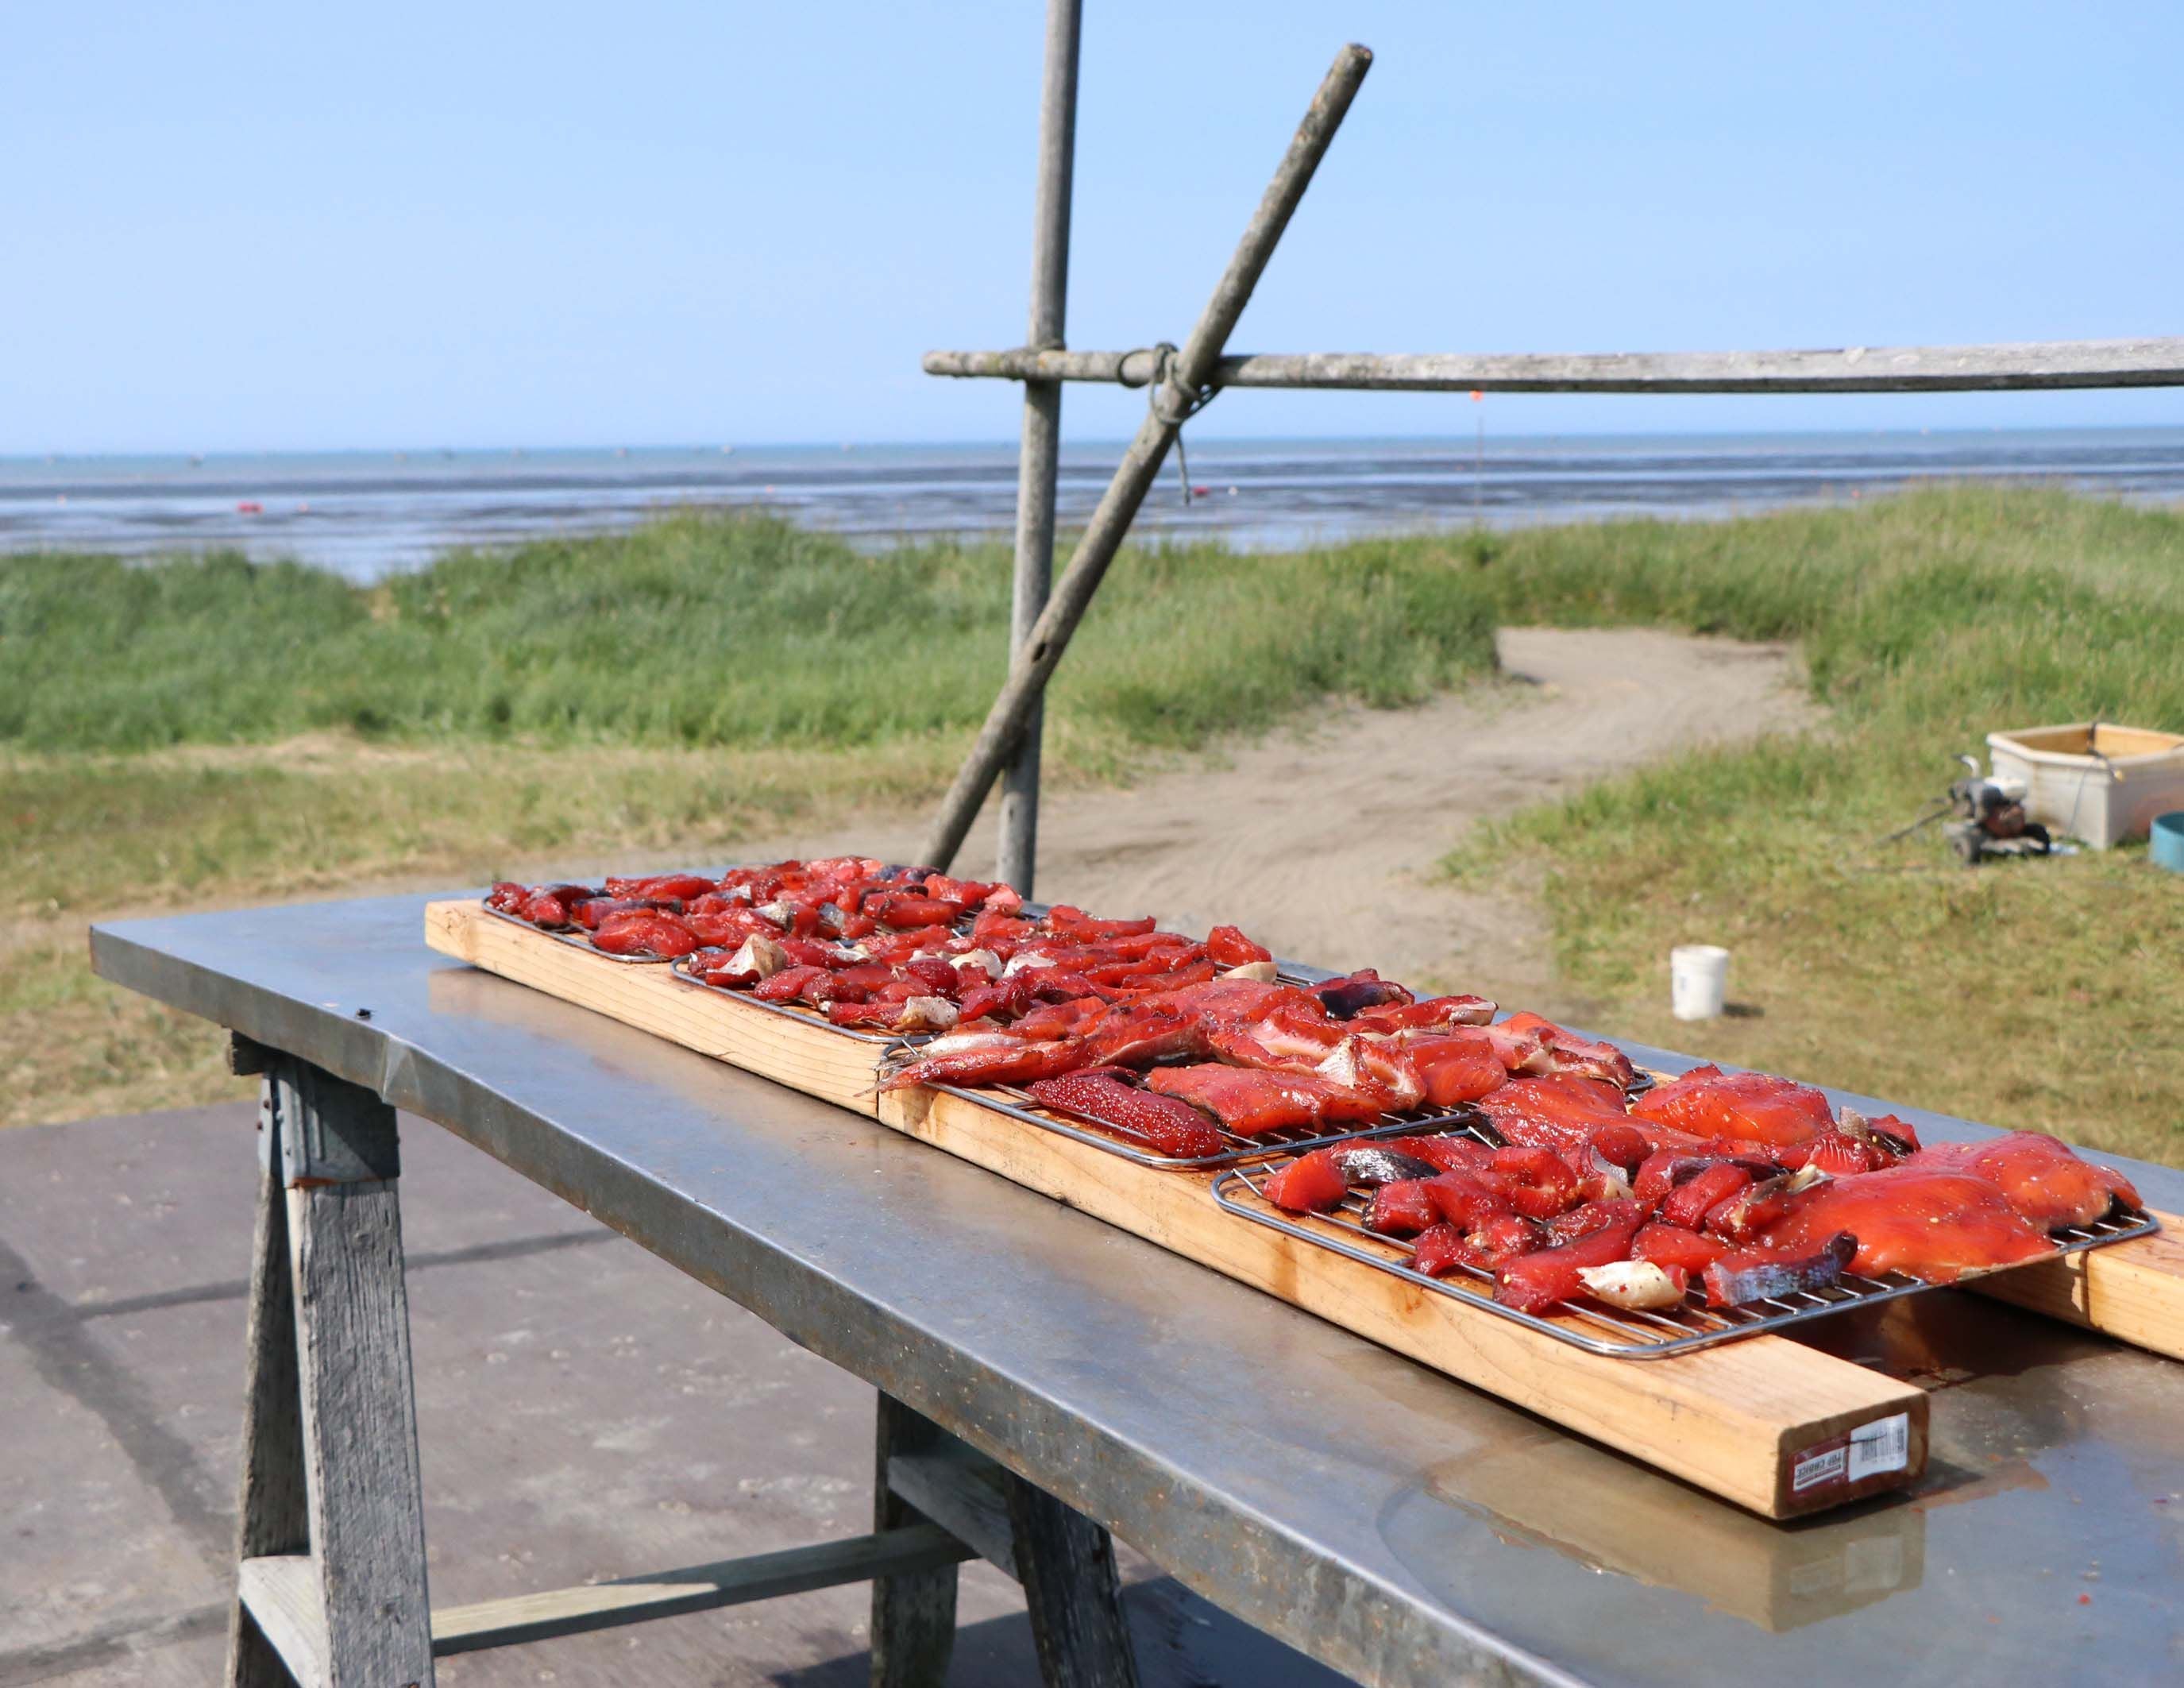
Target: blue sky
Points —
{"points": [[238, 226]]}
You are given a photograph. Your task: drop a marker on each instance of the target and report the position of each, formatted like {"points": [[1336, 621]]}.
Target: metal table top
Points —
{"points": [[1397, 1524]]}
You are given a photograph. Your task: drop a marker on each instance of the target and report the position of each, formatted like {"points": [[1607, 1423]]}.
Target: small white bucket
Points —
{"points": [[1698, 981]]}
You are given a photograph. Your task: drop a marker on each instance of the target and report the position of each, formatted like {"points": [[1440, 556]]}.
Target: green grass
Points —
{"points": [[705, 631], [208, 731], [2045, 993], [202, 732]]}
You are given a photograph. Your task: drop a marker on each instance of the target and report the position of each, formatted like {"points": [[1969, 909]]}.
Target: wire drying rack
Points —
{"points": [[1602, 1329]]}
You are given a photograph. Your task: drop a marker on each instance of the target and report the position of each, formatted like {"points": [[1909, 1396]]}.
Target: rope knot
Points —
{"points": [[1169, 404]]}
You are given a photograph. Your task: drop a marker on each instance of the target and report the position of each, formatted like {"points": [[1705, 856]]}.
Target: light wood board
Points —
{"points": [[1741, 1421]]}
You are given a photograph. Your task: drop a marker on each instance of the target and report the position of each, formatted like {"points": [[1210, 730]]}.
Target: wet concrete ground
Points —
{"points": [[583, 1412]]}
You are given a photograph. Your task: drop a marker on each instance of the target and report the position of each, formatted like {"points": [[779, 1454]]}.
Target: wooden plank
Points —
{"points": [[1072, 1594], [360, 1417], [1736, 1420], [2133, 1291], [281, 1592], [273, 1507], [916, 1549], [2032, 365]]}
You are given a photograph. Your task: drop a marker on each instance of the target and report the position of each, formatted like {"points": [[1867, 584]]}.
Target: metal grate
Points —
{"points": [[1609, 1330]]}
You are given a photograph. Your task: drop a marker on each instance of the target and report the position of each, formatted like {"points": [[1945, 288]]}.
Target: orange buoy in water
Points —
{"points": [[250, 507]]}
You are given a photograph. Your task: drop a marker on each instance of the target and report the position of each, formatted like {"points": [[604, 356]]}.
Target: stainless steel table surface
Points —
{"points": [[1398, 1525]]}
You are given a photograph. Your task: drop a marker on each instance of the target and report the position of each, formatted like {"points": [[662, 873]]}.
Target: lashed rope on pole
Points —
{"points": [[1187, 377]]}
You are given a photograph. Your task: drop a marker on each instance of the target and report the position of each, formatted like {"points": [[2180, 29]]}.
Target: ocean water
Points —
{"points": [[365, 514]]}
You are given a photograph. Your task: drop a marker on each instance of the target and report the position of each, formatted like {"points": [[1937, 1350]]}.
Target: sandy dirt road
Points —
{"points": [[1322, 841]]}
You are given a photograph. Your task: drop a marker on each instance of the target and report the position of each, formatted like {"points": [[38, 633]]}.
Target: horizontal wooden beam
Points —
{"points": [[963, 1491], [1853, 369], [697, 1588]]}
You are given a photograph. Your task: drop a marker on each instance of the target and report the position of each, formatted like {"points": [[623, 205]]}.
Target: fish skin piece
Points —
{"points": [[1690, 1202], [1402, 1209], [1346, 997], [1623, 1144], [1763, 1274], [1596, 1215], [1373, 1164], [644, 932], [1310, 1184], [1561, 1100], [1533, 1283], [1432, 1014], [1440, 1250], [1174, 1128], [1464, 1199], [1750, 1107], [1837, 1155], [1666, 1244], [1140, 1035], [1503, 1236], [1005, 1061], [1247, 1101], [1657, 1174], [2041, 1177], [1580, 1057], [1230, 948], [1445, 1152], [1929, 1224], [1743, 1215], [1453, 1069], [1065, 918], [1537, 1183]]}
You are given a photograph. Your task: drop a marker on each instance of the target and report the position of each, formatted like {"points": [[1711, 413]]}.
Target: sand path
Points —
{"points": [[1322, 841]]}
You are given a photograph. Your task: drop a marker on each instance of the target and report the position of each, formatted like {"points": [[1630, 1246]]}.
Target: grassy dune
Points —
{"points": [[2045, 993], [202, 731]]}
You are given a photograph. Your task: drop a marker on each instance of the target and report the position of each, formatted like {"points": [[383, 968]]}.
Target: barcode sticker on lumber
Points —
{"points": [[1884, 1444], [1826, 1466]]}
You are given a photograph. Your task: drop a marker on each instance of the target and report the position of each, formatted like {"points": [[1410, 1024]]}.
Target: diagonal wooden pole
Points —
{"points": [[1188, 373]]}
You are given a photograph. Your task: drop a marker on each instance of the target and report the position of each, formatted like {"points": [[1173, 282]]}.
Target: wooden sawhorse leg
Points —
{"points": [[330, 1539], [1064, 1560]]}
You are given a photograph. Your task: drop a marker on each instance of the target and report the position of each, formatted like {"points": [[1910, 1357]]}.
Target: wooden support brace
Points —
{"points": [[913, 1623], [912, 1551], [332, 1540]]}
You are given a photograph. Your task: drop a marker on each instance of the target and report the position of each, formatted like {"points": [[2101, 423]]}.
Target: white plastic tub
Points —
{"points": [[2091, 780]]}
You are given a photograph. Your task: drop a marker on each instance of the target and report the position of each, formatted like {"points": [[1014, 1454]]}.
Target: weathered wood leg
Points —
{"points": [[332, 1573], [1067, 1565], [273, 1515], [913, 1625]]}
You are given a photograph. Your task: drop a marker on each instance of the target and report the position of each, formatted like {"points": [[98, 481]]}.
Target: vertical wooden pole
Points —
{"points": [[1039, 456], [913, 1627]]}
